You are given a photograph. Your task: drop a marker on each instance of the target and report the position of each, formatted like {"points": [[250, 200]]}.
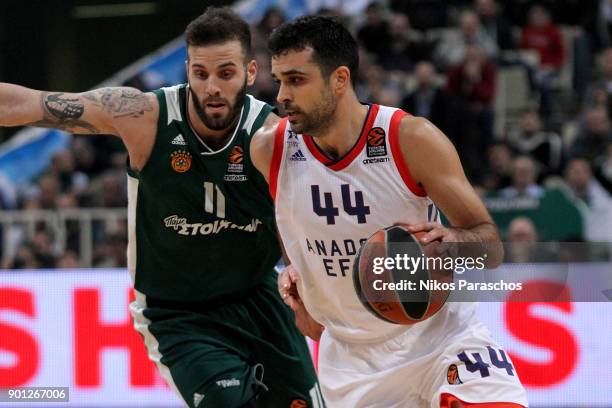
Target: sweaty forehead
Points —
{"points": [[214, 55]]}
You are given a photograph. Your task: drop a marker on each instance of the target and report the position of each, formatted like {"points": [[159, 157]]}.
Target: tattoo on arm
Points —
{"points": [[120, 102], [64, 113]]}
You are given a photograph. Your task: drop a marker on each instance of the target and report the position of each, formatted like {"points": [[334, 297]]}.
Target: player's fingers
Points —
{"points": [[434, 234], [287, 282], [284, 283], [425, 226], [287, 297], [292, 302], [293, 275], [280, 280]]}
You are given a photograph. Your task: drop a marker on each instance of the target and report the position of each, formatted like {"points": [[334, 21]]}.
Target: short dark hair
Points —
{"points": [[333, 44], [218, 25]]}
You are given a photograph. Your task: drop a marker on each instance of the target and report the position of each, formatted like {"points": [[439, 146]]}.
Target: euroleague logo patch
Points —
{"points": [[237, 155], [180, 161], [235, 165], [452, 375], [376, 142], [376, 146]]}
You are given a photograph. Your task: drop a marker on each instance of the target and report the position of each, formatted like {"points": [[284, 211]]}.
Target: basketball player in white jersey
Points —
{"points": [[338, 171]]}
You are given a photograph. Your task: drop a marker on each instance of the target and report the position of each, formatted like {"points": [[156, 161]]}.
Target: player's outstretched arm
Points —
{"points": [[122, 111], [97, 111], [434, 164]]}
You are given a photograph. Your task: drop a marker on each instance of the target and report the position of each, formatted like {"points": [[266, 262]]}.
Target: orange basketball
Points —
{"points": [[407, 286]]}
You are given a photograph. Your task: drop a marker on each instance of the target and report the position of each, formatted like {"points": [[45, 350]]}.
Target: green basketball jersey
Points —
{"points": [[201, 223]]}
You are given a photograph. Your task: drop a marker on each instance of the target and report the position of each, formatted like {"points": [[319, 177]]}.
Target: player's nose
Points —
{"points": [[212, 87], [284, 95]]}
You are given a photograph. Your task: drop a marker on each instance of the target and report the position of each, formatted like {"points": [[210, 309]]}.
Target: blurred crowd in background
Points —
{"points": [[523, 89]]}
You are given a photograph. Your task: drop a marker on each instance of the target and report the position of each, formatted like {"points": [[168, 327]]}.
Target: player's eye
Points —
{"points": [[200, 74], [295, 80], [227, 74]]}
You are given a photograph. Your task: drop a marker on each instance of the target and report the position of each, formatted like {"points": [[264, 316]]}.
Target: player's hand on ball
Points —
{"points": [[435, 232], [443, 238], [287, 287]]}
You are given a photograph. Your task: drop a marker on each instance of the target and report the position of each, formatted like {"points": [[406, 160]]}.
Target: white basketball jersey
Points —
{"points": [[325, 209]]}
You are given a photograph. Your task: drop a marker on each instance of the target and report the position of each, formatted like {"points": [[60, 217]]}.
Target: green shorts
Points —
{"points": [[231, 355]]}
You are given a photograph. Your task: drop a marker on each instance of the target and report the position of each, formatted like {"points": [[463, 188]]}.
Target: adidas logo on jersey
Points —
{"points": [[297, 156], [179, 140]]}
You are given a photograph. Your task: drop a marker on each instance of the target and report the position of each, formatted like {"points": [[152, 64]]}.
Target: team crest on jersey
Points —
{"points": [[452, 375], [298, 403], [235, 165], [376, 145], [180, 161]]}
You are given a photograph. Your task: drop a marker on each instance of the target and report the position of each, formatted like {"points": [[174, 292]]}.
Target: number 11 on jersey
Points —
{"points": [[209, 200]]}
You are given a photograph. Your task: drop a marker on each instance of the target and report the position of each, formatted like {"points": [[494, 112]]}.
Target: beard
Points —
{"points": [[319, 119], [218, 121]]}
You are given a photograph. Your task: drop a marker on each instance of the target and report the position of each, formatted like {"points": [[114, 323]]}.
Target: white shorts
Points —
{"points": [[419, 371]]}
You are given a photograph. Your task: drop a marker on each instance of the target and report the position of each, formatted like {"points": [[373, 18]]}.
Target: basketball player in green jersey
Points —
{"points": [[202, 239]]}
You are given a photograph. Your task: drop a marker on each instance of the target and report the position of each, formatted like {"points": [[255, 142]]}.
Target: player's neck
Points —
{"points": [[342, 135], [214, 139]]}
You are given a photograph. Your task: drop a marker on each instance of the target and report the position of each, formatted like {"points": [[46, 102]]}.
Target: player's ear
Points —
{"points": [[341, 79], [251, 72]]}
